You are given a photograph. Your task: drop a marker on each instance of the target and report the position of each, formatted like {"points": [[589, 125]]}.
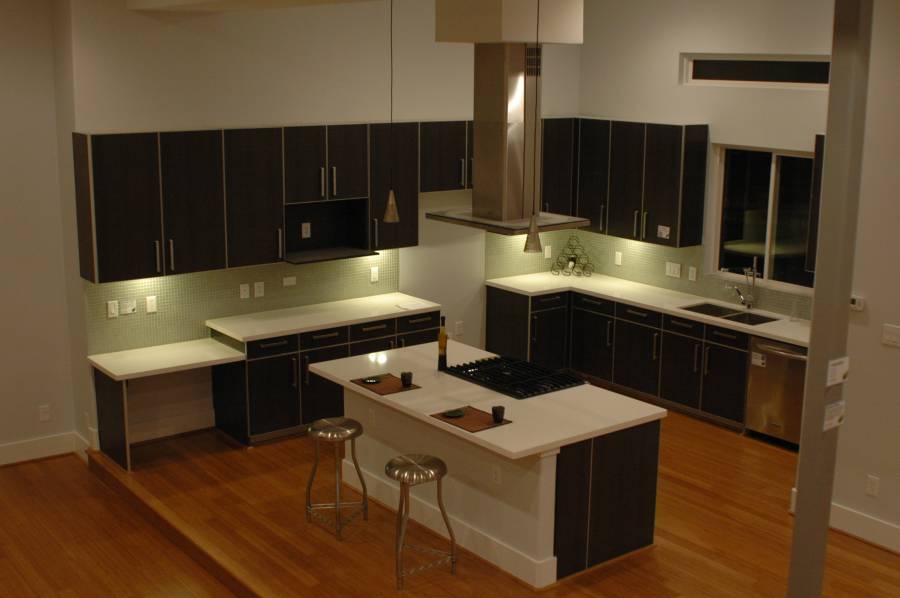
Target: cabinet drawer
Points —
{"points": [[419, 322], [548, 301], [638, 315], [682, 326], [373, 346], [272, 346], [323, 338], [724, 336], [600, 306], [417, 338], [377, 329]]}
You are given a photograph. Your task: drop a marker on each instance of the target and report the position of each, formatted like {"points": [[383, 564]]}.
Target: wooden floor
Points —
{"points": [[722, 529], [64, 533]]}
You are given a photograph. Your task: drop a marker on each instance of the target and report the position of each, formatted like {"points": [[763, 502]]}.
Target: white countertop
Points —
{"points": [[295, 320], [663, 300], [539, 424], [164, 359]]}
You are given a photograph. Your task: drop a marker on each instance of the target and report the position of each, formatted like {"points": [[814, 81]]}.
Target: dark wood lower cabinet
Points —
{"points": [[636, 362], [229, 383], [681, 373], [273, 385], [111, 415], [320, 397], [506, 332], [591, 348], [605, 497], [417, 338], [373, 346], [724, 382], [550, 337]]}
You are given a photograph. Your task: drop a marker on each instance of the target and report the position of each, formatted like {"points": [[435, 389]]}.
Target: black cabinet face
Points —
{"points": [[470, 153], [591, 349], [126, 206], [681, 373], [193, 201], [254, 196], [320, 397], [348, 175], [593, 172], [558, 148], [662, 184], [724, 382], [443, 154], [394, 151], [273, 384], [549, 337], [506, 326], [636, 363], [626, 173], [305, 168]]}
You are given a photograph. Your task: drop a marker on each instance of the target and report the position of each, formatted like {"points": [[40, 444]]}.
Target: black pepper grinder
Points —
{"points": [[442, 345]]}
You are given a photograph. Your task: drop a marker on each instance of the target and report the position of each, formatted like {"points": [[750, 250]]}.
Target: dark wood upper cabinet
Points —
{"points": [[558, 149], [443, 155], [84, 213], [348, 173], [674, 184], [626, 174], [193, 201], [127, 206], [254, 196], [470, 153], [394, 150], [593, 172], [305, 168], [815, 200]]}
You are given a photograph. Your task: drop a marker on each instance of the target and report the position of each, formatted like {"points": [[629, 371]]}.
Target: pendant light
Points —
{"points": [[533, 240], [391, 214]]}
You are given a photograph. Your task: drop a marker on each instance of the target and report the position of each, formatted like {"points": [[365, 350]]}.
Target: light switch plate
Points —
{"points": [[890, 335], [692, 273], [857, 302], [373, 274], [151, 304], [112, 309], [259, 289], [44, 413], [618, 258], [673, 269], [458, 328], [548, 252], [245, 290], [305, 230], [289, 281], [127, 306]]}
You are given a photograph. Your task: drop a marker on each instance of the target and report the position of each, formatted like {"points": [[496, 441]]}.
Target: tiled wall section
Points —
{"points": [[185, 301], [641, 262]]}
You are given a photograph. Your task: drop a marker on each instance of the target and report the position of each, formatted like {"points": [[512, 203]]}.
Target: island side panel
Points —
{"points": [[112, 418], [573, 483], [501, 509]]}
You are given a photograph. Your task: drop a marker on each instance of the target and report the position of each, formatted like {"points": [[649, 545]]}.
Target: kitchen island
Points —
{"points": [[568, 484]]}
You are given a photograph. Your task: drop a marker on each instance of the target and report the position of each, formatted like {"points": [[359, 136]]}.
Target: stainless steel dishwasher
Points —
{"points": [[775, 389]]}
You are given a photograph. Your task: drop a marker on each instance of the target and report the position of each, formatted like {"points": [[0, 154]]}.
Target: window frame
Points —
{"points": [[686, 70], [712, 236]]}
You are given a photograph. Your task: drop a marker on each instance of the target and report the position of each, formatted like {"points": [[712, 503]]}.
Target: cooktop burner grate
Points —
{"points": [[514, 378]]}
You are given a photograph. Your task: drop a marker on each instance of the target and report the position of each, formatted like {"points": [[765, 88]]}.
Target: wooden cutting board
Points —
{"points": [[387, 385], [472, 420]]}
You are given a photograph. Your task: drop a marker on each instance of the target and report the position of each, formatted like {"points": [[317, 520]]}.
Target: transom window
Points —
{"points": [[766, 197]]}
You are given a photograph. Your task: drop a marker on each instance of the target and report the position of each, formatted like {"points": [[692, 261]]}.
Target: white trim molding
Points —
{"points": [[861, 525], [41, 447]]}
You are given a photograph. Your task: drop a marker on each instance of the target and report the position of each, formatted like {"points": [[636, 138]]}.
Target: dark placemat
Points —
{"points": [[388, 385], [472, 420]]}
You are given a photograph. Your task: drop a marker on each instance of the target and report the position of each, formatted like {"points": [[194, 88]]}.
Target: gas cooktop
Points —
{"points": [[514, 378]]}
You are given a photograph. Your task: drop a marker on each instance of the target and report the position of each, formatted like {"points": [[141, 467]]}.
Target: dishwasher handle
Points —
{"points": [[781, 352]]}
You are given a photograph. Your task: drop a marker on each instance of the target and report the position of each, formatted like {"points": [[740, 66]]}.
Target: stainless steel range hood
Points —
{"points": [[507, 128]]}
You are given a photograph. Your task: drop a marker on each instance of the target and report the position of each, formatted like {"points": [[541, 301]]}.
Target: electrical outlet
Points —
{"points": [[890, 335], [44, 413], [373, 274], [673, 269], [151, 304], [289, 281], [857, 302], [458, 328], [305, 230], [548, 252], [259, 289], [245, 290], [127, 306], [692, 273], [618, 258], [872, 483], [495, 475], [112, 309]]}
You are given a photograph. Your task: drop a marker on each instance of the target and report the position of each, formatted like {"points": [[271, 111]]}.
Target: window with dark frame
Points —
{"points": [[760, 71]]}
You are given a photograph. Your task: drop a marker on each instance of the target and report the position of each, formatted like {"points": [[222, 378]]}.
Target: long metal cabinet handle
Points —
{"points": [[644, 226], [781, 352], [696, 358], [534, 320], [172, 255], [402, 342], [637, 214], [706, 361], [462, 172], [280, 243], [419, 320], [318, 337], [334, 181], [296, 372], [602, 210], [392, 343], [371, 328], [322, 182], [655, 346], [306, 370], [609, 324], [158, 264], [280, 343], [375, 220]]}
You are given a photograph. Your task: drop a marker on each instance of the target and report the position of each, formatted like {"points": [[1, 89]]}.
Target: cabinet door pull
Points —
{"points": [[634, 312], [706, 362], [420, 320], [296, 372], [172, 255], [402, 341], [655, 345], [318, 337], [546, 299], [371, 328], [637, 214], [609, 324], [273, 344], [306, 370], [334, 181], [725, 335], [462, 172], [280, 243], [680, 323], [158, 264], [322, 182], [696, 358], [392, 343], [375, 220], [602, 210], [644, 226], [534, 321], [592, 301]]}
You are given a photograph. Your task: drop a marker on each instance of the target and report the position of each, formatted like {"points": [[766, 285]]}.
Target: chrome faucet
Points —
{"points": [[751, 274]]}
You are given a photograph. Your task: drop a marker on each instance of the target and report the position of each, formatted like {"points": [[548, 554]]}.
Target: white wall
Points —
{"points": [[630, 65], [35, 368], [869, 442]]}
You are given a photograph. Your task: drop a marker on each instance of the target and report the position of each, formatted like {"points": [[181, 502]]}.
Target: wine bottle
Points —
{"points": [[442, 345]]}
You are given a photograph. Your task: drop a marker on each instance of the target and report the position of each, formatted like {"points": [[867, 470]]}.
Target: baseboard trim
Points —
{"points": [[538, 574], [860, 525], [38, 448]]}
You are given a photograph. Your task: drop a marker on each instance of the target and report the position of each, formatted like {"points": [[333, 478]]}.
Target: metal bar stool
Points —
{"points": [[336, 430], [412, 470]]}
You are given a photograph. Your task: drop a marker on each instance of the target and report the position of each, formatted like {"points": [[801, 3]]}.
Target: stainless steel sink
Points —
{"points": [[712, 309], [750, 318]]}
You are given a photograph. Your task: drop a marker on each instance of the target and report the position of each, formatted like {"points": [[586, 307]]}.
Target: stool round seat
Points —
{"points": [[335, 429], [415, 469]]}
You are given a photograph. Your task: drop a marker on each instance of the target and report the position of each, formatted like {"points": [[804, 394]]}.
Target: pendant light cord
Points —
{"points": [[537, 57], [393, 149]]}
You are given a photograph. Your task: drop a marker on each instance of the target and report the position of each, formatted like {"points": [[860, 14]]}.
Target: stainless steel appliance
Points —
{"points": [[775, 389]]}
